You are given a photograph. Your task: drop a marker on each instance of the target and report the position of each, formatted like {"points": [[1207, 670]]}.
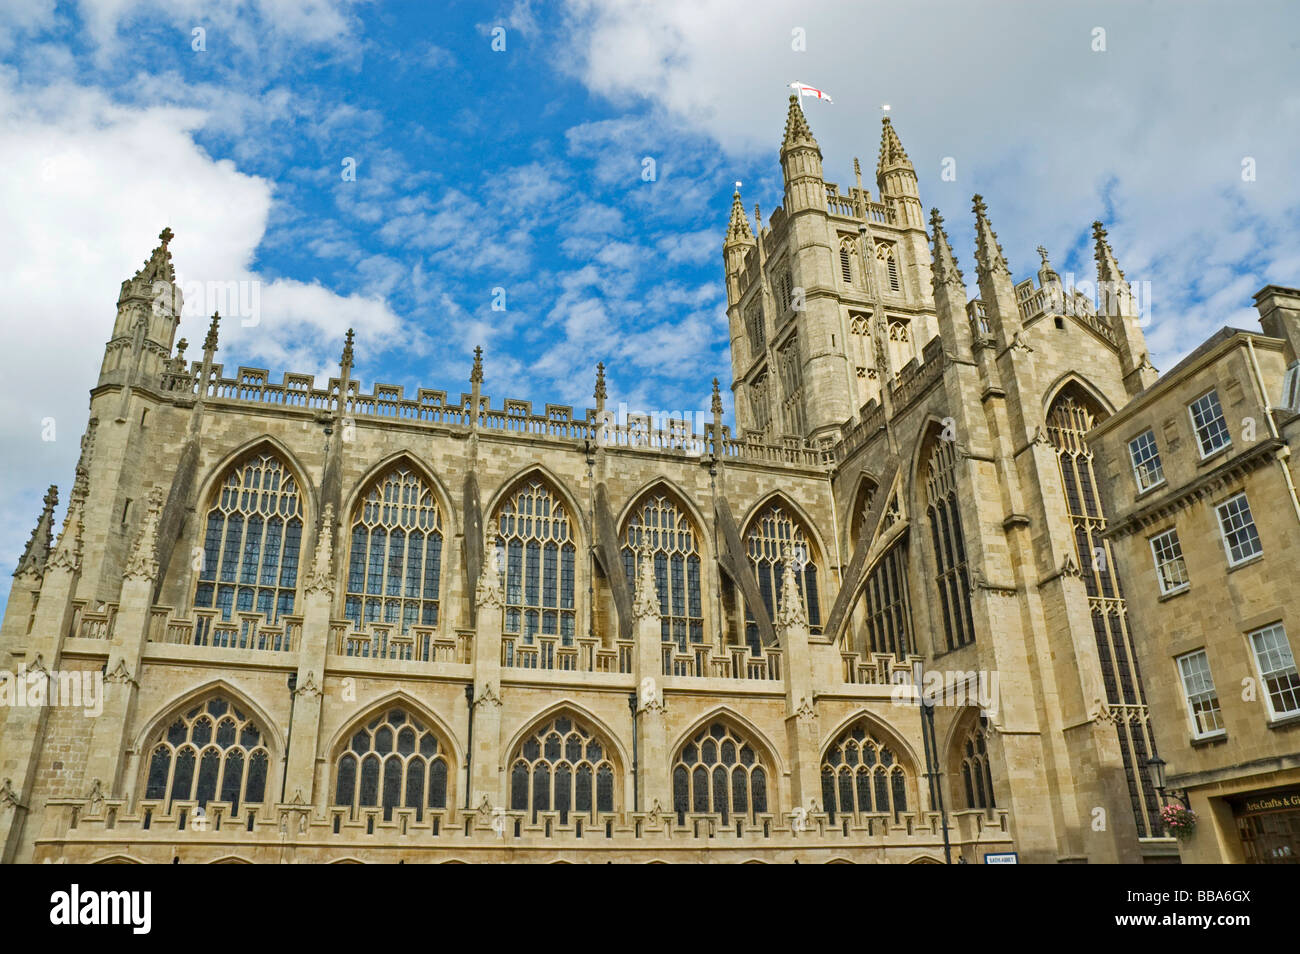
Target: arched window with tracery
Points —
{"points": [[952, 574], [848, 260], [213, 751], [771, 530], [1073, 413], [973, 767], [673, 537], [888, 605], [719, 771], [862, 774], [536, 532], [393, 761], [562, 766], [251, 540], [395, 556]]}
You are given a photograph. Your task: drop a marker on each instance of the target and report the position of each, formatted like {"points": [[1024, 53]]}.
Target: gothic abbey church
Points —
{"points": [[346, 625]]}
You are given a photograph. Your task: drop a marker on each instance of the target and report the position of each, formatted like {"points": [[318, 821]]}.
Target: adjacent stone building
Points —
{"points": [[344, 624], [1200, 483]]}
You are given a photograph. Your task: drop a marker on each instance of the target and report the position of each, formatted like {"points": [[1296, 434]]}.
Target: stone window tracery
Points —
{"points": [[862, 774], [211, 752], [952, 577], [395, 557], [720, 771], [562, 766], [769, 532], [672, 536], [251, 541], [535, 531], [393, 761], [976, 775]]}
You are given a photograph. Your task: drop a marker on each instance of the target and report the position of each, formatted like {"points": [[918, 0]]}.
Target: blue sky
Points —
{"points": [[523, 170]]}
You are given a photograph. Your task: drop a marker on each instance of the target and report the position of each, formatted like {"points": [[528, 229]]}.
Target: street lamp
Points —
{"points": [[1157, 766]]}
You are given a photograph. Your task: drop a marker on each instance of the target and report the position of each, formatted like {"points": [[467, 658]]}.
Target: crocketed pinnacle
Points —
{"points": [[716, 406], [1108, 269], [346, 359], [945, 262], [738, 232], [600, 393], [892, 154], [210, 341], [37, 551], [158, 266], [476, 372], [797, 132], [989, 259]]}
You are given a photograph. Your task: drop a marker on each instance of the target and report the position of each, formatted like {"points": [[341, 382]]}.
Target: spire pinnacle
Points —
{"points": [[988, 253], [738, 228], [345, 361], [945, 262], [716, 404], [38, 547], [600, 393], [476, 373], [210, 342], [1113, 291], [158, 266], [1107, 267], [892, 154], [1045, 272], [797, 132]]}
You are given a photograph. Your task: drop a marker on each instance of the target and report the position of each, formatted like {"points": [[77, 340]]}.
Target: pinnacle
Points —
{"points": [[797, 132], [988, 253], [1107, 266], [945, 262], [210, 342], [738, 227], [158, 266], [38, 547], [600, 393], [476, 373], [346, 360], [892, 153]]}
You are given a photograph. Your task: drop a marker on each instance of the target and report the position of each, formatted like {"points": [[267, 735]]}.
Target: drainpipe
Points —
{"points": [[636, 786], [931, 773], [293, 699], [469, 746], [1285, 452]]}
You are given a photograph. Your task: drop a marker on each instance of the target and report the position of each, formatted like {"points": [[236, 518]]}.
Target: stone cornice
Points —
{"points": [[1194, 490]]}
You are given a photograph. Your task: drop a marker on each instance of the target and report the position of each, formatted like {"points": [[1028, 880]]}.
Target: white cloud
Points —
{"points": [[89, 184], [1149, 135]]}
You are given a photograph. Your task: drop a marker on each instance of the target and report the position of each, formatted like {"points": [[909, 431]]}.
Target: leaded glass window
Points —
{"points": [[952, 578], [562, 766], [395, 553], [536, 532], [212, 752], [889, 610], [251, 541], [769, 533], [719, 771], [976, 775], [393, 761], [862, 774], [672, 536]]}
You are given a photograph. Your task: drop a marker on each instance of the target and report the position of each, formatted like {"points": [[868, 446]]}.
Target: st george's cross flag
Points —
{"points": [[804, 89]]}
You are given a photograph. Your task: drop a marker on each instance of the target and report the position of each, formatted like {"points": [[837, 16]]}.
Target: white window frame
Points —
{"points": [[1191, 696], [1273, 629], [1155, 556], [1196, 428], [1137, 472], [1223, 533]]}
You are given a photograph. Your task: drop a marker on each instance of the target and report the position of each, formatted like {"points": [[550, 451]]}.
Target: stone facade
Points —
{"points": [[345, 625], [1213, 606]]}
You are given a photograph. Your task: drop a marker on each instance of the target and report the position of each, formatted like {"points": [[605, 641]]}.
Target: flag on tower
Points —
{"points": [[804, 89]]}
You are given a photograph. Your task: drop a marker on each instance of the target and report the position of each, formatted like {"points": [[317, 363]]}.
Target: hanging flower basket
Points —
{"points": [[1180, 821]]}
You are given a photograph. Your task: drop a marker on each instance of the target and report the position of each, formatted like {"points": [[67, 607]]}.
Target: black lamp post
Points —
{"points": [[1157, 766]]}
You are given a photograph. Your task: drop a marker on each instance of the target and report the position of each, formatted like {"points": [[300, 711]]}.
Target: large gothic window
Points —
{"points": [[251, 541], [660, 522], [1072, 415], [392, 761], [973, 764], [889, 610], [563, 767], [396, 553], [536, 532], [862, 774], [212, 752], [769, 533], [952, 575], [719, 771]]}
